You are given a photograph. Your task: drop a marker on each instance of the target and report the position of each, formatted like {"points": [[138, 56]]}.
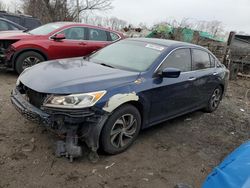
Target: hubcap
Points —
{"points": [[215, 100], [123, 131], [30, 61]]}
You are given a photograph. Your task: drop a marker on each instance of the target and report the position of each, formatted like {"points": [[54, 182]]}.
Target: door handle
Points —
{"points": [[191, 79], [83, 43]]}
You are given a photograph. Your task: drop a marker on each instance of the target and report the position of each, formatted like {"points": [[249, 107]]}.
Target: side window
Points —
{"points": [[201, 60], [114, 36], [180, 59], [212, 61], [3, 26], [97, 35], [74, 33]]}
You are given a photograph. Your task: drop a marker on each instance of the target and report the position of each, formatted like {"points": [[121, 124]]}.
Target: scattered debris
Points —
{"points": [[94, 171], [18, 156], [150, 173], [107, 167], [28, 147], [36, 161], [145, 179], [46, 168], [181, 185]]}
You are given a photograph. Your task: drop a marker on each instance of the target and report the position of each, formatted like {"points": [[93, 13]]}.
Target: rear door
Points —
{"points": [[204, 67], [75, 44], [173, 96], [97, 39]]}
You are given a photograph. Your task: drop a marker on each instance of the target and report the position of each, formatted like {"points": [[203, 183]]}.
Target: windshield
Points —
{"points": [[128, 55], [46, 29]]}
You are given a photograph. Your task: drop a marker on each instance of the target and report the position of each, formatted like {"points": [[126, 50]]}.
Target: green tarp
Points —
{"points": [[187, 34]]}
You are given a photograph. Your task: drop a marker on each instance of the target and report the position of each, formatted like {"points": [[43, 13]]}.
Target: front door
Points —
{"points": [[173, 96], [74, 44]]}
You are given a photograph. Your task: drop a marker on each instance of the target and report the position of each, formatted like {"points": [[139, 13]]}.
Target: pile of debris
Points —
{"points": [[214, 44], [138, 32]]}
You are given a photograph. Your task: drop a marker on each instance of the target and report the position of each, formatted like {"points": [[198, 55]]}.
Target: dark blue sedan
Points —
{"points": [[107, 98]]}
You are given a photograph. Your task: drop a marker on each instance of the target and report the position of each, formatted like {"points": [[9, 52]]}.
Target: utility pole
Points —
{"points": [[78, 10]]}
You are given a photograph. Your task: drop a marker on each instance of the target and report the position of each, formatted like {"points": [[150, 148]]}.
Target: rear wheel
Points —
{"points": [[27, 59], [214, 100], [121, 129]]}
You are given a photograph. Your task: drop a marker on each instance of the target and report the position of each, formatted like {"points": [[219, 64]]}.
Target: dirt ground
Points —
{"points": [[183, 150]]}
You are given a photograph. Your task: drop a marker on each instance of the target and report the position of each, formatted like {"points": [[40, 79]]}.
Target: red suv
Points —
{"points": [[52, 41]]}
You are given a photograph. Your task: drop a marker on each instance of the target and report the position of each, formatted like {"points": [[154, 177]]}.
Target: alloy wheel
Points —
{"points": [[30, 61], [216, 97], [123, 131]]}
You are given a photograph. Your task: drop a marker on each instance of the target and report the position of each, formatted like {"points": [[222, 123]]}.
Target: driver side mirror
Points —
{"points": [[58, 37], [170, 73]]}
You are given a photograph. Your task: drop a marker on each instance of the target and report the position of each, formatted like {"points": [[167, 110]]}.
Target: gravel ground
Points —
{"points": [[183, 150]]}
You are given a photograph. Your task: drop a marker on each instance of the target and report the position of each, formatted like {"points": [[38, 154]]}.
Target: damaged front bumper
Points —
{"points": [[29, 111], [84, 125]]}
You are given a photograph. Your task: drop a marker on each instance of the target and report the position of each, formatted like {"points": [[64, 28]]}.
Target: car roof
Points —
{"points": [[83, 24], [166, 43]]}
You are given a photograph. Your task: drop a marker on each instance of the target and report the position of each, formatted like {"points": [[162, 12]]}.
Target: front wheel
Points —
{"points": [[121, 129], [27, 59], [214, 100]]}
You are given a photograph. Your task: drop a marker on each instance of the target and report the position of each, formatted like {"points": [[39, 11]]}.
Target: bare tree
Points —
{"points": [[62, 10], [89, 5], [112, 23], [47, 10], [2, 6], [214, 27]]}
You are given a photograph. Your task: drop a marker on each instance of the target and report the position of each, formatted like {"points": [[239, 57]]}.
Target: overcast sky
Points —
{"points": [[235, 14]]}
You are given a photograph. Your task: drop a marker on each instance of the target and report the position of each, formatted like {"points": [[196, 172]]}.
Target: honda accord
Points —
{"points": [[105, 99]]}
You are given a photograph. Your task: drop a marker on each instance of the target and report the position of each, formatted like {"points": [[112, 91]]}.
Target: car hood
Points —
{"points": [[75, 75], [14, 35]]}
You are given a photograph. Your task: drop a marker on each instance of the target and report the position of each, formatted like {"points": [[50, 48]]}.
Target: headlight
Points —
{"points": [[75, 101]]}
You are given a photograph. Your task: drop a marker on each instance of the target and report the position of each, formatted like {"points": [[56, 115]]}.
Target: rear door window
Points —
{"points": [[201, 60], [180, 59], [97, 35], [114, 36]]}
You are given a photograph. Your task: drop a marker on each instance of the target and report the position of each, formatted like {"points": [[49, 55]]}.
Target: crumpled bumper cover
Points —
{"points": [[90, 122], [29, 111]]}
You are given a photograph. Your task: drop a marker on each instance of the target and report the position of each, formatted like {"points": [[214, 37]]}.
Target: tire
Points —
{"points": [[118, 134], [214, 100], [27, 59]]}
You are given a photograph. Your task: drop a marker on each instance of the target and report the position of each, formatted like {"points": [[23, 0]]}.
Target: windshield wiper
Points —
{"points": [[26, 30], [103, 64]]}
